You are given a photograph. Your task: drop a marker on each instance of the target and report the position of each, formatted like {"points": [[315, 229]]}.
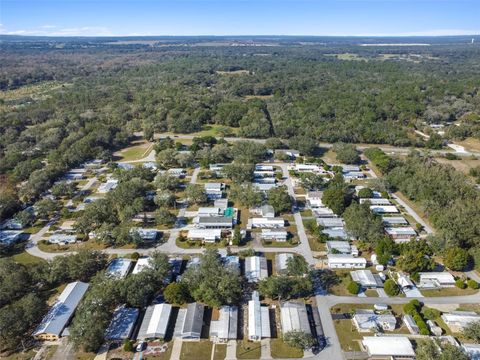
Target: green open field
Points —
{"points": [[198, 350], [137, 151], [219, 351], [248, 350], [280, 350], [26, 259], [448, 292]]}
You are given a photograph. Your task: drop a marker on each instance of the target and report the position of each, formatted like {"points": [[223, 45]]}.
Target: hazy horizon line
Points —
{"points": [[243, 35]]}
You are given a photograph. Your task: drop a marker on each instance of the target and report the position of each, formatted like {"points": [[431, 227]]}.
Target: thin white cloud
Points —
{"points": [[51, 30]]}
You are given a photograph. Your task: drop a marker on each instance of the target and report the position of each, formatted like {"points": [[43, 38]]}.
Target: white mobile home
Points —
{"points": [[388, 347], [384, 209], [294, 317], [258, 319], [433, 280], [190, 322], [281, 261], [225, 328], [206, 235], [344, 261], [274, 235], [277, 222], [256, 268], [155, 322], [57, 318]]}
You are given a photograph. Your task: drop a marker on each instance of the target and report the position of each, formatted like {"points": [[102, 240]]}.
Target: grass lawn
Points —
{"points": [[196, 350], [138, 151], [299, 191], [33, 229], [306, 213], [348, 336], [341, 288], [282, 244], [448, 292], [219, 351], [469, 307], [209, 130], [371, 293], [315, 245], [281, 350], [50, 351], [198, 244], [248, 350], [85, 245], [30, 354], [26, 259], [81, 355]]}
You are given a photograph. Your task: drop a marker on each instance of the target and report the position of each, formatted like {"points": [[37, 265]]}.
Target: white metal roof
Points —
{"points": [[330, 222], [225, 327], [345, 258], [366, 278], [122, 323], [206, 234], [294, 317], [141, 264], [119, 267], [267, 233], [61, 312], [388, 346], [258, 319], [209, 211], [255, 268], [155, 321], [375, 201], [278, 221], [341, 246], [394, 220], [382, 209], [407, 230], [442, 277], [281, 261]]}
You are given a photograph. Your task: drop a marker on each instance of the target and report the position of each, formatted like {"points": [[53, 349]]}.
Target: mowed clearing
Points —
{"points": [[462, 165], [137, 151]]}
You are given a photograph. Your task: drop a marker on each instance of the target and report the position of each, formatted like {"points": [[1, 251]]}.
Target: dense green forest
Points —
{"points": [[97, 93]]}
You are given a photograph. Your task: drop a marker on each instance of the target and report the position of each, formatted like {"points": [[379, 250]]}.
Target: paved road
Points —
{"points": [[303, 247], [428, 229]]}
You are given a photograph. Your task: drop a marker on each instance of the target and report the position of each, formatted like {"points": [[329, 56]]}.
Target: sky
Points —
{"points": [[240, 17]]}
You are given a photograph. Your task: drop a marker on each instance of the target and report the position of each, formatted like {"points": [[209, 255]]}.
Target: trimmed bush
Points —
{"points": [[472, 284], [353, 288], [459, 283]]}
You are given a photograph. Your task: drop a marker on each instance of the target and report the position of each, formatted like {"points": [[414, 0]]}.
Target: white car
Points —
{"points": [[141, 346]]}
